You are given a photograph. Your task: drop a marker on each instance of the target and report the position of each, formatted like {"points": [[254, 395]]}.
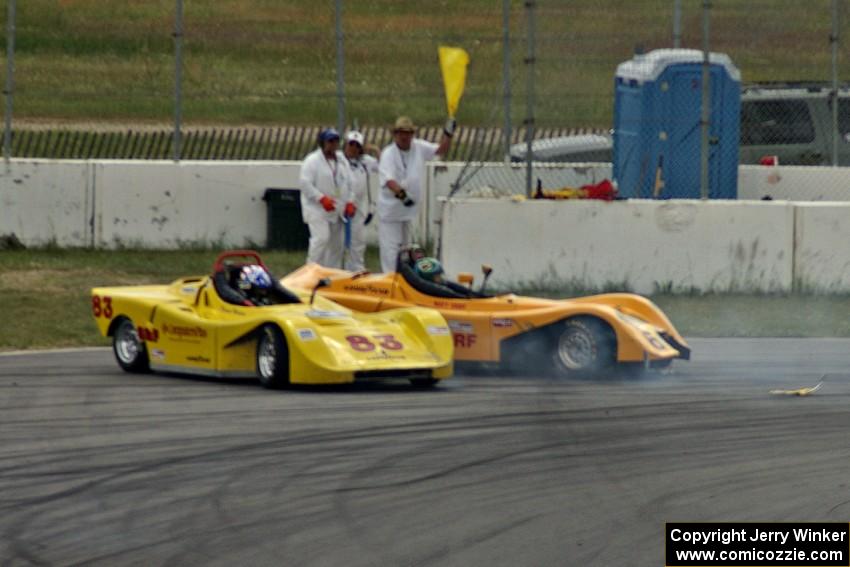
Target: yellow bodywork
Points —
{"points": [[480, 326], [186, 327]]}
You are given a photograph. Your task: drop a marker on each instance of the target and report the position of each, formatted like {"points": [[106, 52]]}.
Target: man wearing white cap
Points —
{"points": [[325, 198], [362, 168], [402, 168]]}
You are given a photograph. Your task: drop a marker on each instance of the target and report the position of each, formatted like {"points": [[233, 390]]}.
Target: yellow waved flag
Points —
{"points": [[453, 62]]}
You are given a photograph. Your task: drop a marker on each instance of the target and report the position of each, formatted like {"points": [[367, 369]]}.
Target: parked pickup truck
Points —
{"points": [[792, 121]]}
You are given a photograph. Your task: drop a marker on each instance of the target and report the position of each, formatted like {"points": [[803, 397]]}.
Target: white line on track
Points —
{"points": [[51, 351]]}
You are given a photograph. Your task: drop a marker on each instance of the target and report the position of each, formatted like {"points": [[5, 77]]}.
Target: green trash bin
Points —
{"points": [[285, 226]]}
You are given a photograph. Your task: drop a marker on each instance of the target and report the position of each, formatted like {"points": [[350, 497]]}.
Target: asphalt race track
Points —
{"points": [[99, 467]]}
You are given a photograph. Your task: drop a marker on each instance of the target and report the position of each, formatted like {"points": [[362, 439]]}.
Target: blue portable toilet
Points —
{"points": [[657, 134]]}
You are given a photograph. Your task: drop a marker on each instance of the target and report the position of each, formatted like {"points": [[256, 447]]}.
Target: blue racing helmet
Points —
{"points": [[254, 277]]}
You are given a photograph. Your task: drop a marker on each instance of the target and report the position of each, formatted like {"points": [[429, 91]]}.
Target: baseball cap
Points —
{"points": [[404, 124], [354, 136], [328, 134]]}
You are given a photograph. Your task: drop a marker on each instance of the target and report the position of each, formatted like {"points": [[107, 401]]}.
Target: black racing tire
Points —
{"points": [[584, 347], [423, 383], [272, 358], [130, 351]]}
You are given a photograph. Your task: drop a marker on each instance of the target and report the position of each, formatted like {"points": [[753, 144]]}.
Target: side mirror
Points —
{"points": [[466, 279], [324, 282]]}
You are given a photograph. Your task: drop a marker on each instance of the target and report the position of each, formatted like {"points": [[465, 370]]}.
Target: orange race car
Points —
{"points": [[585, 335]]}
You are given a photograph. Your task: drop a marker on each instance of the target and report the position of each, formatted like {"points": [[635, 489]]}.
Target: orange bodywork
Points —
{"points": [[480, 326]]}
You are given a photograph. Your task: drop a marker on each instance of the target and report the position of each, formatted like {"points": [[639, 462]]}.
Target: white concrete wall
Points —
{"points": [[679, 244], [485, 179], [44, 202], [157, 204], [641, 245], [794, 183], [165, 204], [822, 247]]}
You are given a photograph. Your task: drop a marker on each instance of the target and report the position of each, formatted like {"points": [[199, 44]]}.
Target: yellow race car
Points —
{"points": [[582, 336], [216, 326]]}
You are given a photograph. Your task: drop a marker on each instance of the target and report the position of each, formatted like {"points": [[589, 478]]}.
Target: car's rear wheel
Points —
{"points": [[129, 349], [272, 358], [584, 346], [423, 383]]}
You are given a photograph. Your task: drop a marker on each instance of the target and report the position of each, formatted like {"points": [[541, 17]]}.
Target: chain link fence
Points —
{"points": [[539, 69]]}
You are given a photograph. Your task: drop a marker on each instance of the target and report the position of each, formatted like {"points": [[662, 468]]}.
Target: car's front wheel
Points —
{"points": [[272, 358], [584, 346], [129, 349]]}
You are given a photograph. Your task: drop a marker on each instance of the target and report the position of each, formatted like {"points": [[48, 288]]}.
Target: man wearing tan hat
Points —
{"points": [[401, 169]]}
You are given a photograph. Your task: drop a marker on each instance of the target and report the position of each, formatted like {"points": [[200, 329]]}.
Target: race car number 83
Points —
{"points": [[101, 306], [363, 344]]}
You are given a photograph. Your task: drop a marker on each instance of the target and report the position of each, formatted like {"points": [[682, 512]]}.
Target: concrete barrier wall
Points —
{"points": [[167, 204], [794, 183], [681, 244], [640, 245], [494, 179], [822, 247], [45, 202], [156, 204]]}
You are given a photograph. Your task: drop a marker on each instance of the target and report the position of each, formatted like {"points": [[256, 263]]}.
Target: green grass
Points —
{"points": [[44, 297], [273, 61]]}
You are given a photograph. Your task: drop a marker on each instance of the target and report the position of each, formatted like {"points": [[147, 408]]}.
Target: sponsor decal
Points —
{"points": [[654, 340], [319, 314], [503, 323], [306, 334], [189, 289], [198, 358], [181, 332], [449, 305], [383, 355], [460, 326], [367, 288], [465, 340], [438, 330], [157, 353], [147, 335]]}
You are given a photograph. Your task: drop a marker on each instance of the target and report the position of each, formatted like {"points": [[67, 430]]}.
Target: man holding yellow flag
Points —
{"points": [[402, 165], [401, 170]]}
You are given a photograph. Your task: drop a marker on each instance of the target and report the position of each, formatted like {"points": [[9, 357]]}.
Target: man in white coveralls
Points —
{"points": [[402, 169]]}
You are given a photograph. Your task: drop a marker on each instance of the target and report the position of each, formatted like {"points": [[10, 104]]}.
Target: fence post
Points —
{"points": [[705, 119], [833, 40], [10, 79], [529, 96], [677, 24], [178, 77], [506, 74], [340, 77]]}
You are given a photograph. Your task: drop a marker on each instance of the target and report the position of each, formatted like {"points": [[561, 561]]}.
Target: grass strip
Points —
{"points": [[44, 297]]}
